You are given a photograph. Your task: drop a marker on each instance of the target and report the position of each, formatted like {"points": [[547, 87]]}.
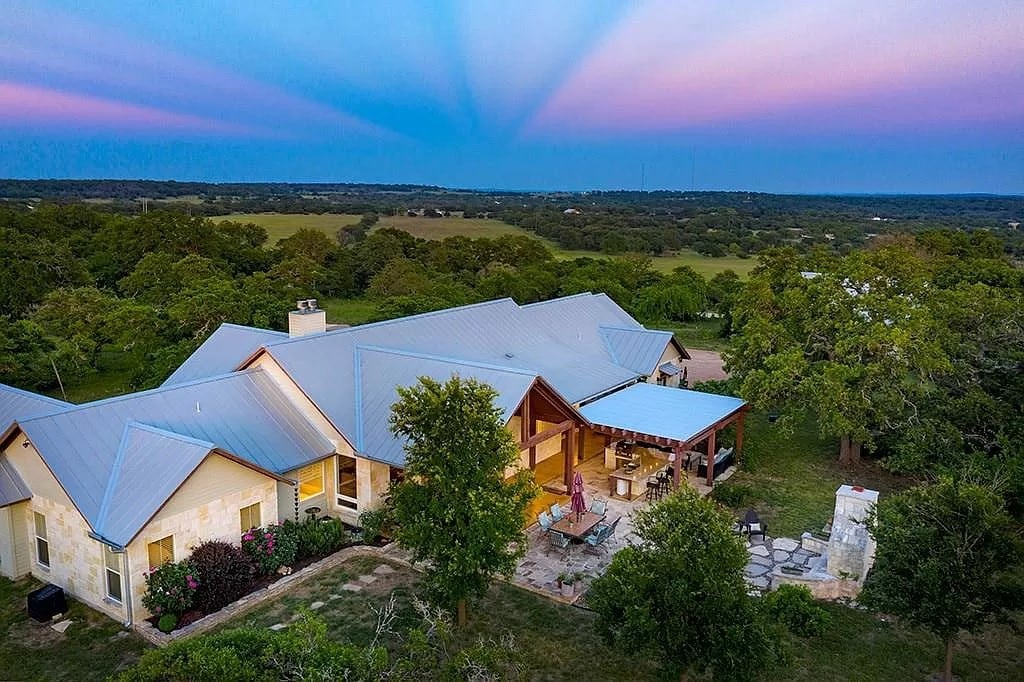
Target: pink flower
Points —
{"points": [[268, 536], [247, 536]]}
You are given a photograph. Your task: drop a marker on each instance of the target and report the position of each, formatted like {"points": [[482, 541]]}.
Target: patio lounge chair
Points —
{"points": [[556, 512], [544, 521], [560, 542], [599, 507]]}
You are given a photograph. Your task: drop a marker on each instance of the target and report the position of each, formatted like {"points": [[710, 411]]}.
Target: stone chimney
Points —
{"points": [[851, 549], [306, 319]]}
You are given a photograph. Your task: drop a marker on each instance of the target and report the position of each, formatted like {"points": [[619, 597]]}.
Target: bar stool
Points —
{"points": [[653, 489], [664, 483]]}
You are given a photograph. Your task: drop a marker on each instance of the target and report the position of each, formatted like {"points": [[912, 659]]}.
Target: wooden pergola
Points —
{"points": [[681, 447]]}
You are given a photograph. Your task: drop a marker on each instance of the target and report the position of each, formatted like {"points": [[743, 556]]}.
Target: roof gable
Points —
{"points": [[243, 413], [225, 348], [149, 466], [12, 488], [636, 349]]}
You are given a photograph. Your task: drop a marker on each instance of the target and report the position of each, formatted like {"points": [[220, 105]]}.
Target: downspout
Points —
{"points": [[127, 588]]}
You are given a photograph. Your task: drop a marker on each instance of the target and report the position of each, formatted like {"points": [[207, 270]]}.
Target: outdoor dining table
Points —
{"points": [[577, 530]]}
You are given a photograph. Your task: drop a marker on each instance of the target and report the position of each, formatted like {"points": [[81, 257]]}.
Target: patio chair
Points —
{"points": [[560, 542], [753, 524], [653, 489], [556, 512], [595, 541], [599, 507], [544, 521]]}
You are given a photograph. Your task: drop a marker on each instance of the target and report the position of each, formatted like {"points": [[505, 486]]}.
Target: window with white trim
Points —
{"points": [[42, 542], [112, 567], [348, 491], [311, 481]]}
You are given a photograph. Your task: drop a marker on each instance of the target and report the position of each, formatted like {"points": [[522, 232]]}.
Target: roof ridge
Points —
{"points": [[33, 394], [447, 359], [560, 298], [115, 476], [374, 325], [148, 391], [167, 433], [615, 327], [254, 329]]}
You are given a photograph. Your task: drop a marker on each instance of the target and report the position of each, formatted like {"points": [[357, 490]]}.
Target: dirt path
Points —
{"points": [[703, 365]]}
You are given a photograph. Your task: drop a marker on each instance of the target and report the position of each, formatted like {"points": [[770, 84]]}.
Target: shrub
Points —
{"points": [[170, 588], [225, 573], [167, 622], [793, 607], [376, 524], [318, 538], [733, 495], [272, 547]]}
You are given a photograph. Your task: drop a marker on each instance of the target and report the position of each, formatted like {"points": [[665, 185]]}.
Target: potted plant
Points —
{"points": [[577, 583], [566, 582]]}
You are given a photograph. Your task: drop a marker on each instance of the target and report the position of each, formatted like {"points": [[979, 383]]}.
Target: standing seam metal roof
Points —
{"points": [[18, 404], [12, 488], [674, 413], [243, 413]]}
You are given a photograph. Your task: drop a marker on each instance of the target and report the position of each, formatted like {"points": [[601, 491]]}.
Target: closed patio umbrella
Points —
{"points": [[577, 504]]}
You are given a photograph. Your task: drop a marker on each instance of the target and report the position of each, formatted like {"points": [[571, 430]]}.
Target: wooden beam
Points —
{"points": [[711, 459], [533, 441], [579, 446], [677, 466], [526, 428]]}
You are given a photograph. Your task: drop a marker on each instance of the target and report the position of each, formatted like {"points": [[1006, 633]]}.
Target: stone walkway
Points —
{"points": [[769, 553], [356, 585]]}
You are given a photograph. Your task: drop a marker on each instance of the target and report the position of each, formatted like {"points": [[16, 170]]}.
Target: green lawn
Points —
{"points": [[559, 642], [349, 311], [702, 334], [791, 479], [92, 648], [281, 225]]}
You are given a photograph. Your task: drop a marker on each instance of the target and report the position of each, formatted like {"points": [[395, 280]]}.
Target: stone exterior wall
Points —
{"points": [[215, 519], [669, 355]]}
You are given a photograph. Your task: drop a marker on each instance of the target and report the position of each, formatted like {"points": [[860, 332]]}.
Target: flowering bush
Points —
{"points": [[170, 588], [318, 537], [225, 573], [270, 548]]}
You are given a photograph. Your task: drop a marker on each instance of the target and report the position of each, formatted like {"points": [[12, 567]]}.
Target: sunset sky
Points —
{"points": [[770, 95]]}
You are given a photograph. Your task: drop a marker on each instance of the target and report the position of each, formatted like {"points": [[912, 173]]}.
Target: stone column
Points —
{"points": [[851, 549]]}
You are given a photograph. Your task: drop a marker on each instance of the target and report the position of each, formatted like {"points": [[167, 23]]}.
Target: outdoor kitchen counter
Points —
{"points": [[649, 465]]}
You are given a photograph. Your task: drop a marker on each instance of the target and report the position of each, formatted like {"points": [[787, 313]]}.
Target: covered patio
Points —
{"points": [[676, 426]]}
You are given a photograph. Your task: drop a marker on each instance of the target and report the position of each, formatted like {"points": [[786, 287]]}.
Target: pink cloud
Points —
{"points": [[31, 106], [683, 65]]}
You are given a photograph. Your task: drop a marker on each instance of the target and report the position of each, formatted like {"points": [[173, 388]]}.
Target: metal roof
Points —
{"points": [[669, 368], [225, 348], [382, 371], [662, 411], [638, 349], [12, 488], [243, 413], [149, 466], [18, 404], [559, 340]]}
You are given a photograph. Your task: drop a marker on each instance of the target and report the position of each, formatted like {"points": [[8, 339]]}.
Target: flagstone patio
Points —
{"points": [[539, 569]]}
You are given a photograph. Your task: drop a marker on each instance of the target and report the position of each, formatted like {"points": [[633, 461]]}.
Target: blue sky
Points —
{"points": [[769, 95]]}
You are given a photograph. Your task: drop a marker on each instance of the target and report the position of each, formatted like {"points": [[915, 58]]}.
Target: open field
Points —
{"points": [[281, 225]]}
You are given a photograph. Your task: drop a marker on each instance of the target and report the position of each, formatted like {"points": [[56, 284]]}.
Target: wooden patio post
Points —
{"points": [[528, 428], [711, 458], [579, 446], [739, 435], [677, 467], [570, 452]]}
